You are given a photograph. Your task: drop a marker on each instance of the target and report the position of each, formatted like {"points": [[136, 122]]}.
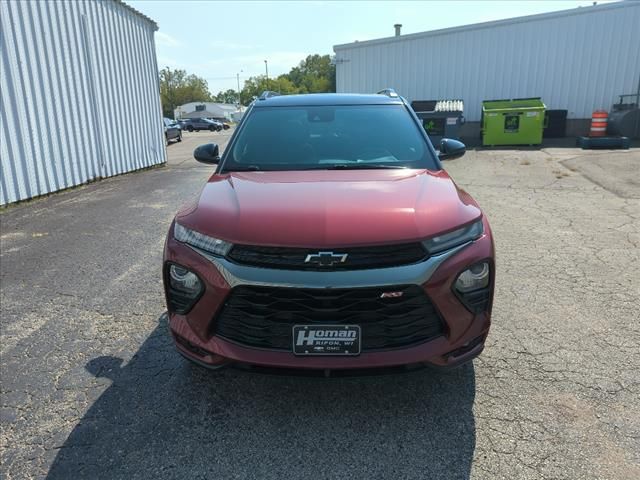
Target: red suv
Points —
{"points": [[330, 237]]}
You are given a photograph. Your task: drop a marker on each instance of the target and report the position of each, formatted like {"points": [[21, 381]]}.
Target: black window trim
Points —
{"points": [[232, 141]]}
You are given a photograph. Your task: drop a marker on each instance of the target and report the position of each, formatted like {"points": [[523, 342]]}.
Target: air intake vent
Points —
{"points": [[264, 316]]}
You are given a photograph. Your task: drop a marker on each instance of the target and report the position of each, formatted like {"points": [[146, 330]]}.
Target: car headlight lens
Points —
{"points": [[439, 243], [201, 241], [474, 278]]}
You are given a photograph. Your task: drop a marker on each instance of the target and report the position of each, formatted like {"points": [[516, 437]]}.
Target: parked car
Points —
{"points": [[330, 237], [197, 124], [219, 123], [172, 131]]}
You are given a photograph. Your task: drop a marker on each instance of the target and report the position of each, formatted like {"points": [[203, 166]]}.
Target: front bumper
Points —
{"points": [[463, 339]]}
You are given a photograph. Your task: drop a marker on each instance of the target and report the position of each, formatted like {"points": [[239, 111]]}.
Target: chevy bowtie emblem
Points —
{"points": [[326, 259]]}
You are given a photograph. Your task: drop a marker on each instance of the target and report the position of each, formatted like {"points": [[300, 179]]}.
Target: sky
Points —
{"points": [[218, 40]]}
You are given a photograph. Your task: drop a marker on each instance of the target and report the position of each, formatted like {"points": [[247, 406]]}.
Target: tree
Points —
{"points": [[254, 86], [314, 74], [178, 88], [228, 96]]}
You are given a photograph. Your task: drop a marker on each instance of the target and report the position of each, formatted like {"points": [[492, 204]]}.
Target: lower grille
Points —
{"points": [[264, 316]]}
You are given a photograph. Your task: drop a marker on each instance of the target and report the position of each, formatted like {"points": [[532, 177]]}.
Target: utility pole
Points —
{"points": [[266, 70], [238, 78]]}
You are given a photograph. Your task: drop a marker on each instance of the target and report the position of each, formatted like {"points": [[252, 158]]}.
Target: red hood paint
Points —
{"points": [[329, 208]]}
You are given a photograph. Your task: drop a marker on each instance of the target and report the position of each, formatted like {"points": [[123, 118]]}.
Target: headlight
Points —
{"points": [[449, 240], [203, 242], [474, 278]]}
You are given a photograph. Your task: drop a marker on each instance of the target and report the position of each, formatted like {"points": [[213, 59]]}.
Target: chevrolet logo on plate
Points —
{"points": [[326, 259]]}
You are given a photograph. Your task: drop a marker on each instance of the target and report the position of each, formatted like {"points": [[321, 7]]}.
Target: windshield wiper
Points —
{"points": [[243, 168], [362, 166]]}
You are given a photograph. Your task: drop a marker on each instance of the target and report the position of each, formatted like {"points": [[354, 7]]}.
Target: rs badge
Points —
{"points": [[391, 295]]}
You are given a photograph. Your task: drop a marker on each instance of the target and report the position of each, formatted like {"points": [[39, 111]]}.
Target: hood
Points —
{"points": [[329, 208]]}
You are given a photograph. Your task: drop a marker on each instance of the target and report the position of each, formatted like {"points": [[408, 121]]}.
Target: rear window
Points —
{"points": [[324, 137]]}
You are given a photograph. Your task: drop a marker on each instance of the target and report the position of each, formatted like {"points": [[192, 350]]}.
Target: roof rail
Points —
{"points": [[389, 92], [268, 94]]}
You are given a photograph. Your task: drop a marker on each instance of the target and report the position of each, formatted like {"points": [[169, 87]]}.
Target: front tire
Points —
{"points": [[190, 128], [179, 137]]}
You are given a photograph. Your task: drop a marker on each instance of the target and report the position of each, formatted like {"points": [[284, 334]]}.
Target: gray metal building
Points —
{"points": [[579, 60], [75, 77]]}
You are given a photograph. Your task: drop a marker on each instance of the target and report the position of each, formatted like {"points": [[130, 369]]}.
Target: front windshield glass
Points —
{"points": [[329, 137]]}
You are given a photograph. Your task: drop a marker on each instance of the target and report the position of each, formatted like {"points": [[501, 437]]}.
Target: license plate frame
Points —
{"points": [[327, 340]]}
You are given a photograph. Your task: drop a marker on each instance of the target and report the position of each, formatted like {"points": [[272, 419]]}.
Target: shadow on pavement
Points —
{"points": [[164, 418]]}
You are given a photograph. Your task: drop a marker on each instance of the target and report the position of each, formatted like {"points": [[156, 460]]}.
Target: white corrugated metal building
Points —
{"points": [[578, 60], [205, 110], [79, 94]]}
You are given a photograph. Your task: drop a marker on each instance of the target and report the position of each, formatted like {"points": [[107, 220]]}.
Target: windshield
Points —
{"points": [[329, 137]]}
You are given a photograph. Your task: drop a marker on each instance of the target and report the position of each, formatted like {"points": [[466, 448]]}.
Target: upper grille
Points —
{"points": [[292, 258], [264, 316]]}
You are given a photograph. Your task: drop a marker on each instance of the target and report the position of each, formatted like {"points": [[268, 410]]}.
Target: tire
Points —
{"points": [[190, 128], [212, 128], [179, 139], [166, 140]]}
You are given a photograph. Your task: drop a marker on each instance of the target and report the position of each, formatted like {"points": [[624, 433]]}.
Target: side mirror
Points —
{"points": [[207, 153], [450, 149]]}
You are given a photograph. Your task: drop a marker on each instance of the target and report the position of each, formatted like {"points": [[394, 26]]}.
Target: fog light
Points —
{"points": [[474, 278], [184, 280], [184, 288]]}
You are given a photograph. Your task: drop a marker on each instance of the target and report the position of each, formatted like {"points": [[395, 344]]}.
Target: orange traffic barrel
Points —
{"points": [[598, 123]]}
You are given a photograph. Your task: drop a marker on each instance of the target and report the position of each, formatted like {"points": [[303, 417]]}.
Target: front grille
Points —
{"points": [[264, 316], [357, 257]]}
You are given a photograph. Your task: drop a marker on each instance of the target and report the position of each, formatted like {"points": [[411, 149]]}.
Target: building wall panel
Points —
{"points": [[579, 60], [79, 94]]}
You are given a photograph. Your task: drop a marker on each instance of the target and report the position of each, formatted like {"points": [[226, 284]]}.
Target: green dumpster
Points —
{"points": [[513, 122]]}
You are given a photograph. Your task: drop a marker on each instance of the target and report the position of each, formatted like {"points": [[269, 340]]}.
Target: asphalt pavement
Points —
{"points": [[92, 387]]}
